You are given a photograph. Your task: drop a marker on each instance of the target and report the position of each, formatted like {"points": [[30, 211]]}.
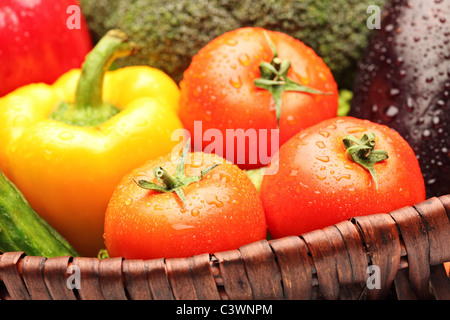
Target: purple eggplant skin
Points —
{"points": [[403, 81]]}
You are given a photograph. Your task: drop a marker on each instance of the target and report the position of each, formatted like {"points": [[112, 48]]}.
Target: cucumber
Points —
{"points": [[22, 229]]}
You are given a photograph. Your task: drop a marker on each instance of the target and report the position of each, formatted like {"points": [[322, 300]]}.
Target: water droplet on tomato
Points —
{"points": [[244, 59], [214, 200], [320, 144], [304, 79], [345, 176], [128, 201], [323, 158], [236, 82], [181, 226], [290, 119], [224, 178], [231, 42], [195, 212], [324, 134], [356, 129]]}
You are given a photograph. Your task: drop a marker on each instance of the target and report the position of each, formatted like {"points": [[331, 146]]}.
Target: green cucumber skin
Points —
{"points": [[22, 229]]}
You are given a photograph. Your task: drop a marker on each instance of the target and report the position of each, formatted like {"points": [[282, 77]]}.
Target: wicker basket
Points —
{"points": [[408, 247]]}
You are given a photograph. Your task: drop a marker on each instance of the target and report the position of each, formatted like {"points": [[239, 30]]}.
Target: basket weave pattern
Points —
{"points": [[409, 246]]}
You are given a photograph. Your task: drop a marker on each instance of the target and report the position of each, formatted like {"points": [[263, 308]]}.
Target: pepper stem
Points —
{"points": [[89, 109], [362, 152], [112, 46], [176, 183]]}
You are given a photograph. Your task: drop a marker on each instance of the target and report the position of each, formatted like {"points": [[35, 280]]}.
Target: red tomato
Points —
{"points": [[313, 182], [222, 211], [219, 91]]}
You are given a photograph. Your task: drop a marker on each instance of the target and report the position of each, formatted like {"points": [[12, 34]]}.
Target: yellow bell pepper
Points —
{"points": [[67, 145]]}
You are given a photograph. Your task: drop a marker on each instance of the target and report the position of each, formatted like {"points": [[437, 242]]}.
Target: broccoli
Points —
{"points": [[170, 32]]}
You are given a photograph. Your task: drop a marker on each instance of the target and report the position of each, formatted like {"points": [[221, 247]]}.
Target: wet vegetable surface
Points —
{"points": [[404, 82]]}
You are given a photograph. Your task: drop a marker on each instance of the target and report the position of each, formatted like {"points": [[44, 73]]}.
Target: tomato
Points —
{"points": [[314, 181], [224, 89], [212, 211]]}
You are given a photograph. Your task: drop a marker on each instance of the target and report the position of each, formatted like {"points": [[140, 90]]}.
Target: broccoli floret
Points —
{"points": [[170, 32]]}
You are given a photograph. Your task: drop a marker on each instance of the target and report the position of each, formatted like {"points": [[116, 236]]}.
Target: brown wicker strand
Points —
{"points": [[414, 236], [33, 276], [409, 246], [203, 278], [233, 276], [382, 244], [324, 262], [56, 277], [158, 280], [437, 224], [136, 280], [291, 254], [89, 278], [11, 276], [111, 279]]}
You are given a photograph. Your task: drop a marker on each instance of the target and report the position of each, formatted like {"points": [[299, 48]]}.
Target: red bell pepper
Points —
{"points": [[40, 40]]}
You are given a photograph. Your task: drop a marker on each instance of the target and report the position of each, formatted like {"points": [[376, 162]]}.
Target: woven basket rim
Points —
{"points": [[408, 247]]}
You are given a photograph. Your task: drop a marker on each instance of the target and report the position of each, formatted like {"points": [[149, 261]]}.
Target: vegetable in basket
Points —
{"points": [[254, 81], [404, 82], [22, 229], [335, 170], [179, 206], [67, 145], [170, 32], [36, 44]]}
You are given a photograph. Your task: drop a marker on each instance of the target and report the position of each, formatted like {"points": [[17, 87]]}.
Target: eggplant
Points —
{"points": [[403, 81]]}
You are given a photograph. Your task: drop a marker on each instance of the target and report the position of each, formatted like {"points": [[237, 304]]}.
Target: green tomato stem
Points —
{"points": [[176, 183], [165, 178], [362, 152], [275, 80]]}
